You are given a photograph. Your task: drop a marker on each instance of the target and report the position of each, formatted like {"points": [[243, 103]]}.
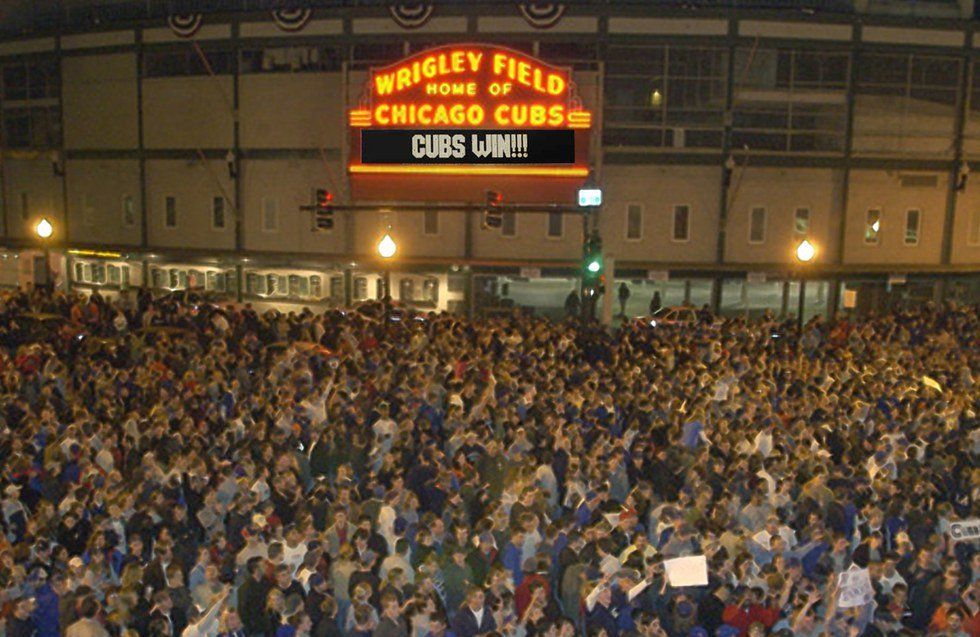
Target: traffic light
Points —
{"points": [[323, 212], [493, 216], [592, 260]]}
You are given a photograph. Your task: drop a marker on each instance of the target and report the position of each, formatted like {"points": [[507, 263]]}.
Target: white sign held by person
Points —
{"points": [[854, 588], [687, 571], [965, 530]]}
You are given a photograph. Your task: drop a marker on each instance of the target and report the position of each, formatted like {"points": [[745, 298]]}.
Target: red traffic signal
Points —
{"points": [[323, 198], [323, 217], [493, 217]]}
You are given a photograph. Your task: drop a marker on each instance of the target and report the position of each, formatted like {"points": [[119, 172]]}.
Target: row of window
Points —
{"points": [[101, 273], [219, 219], [284, 286], [680, 220], [913, 221], [30, 80], [35, 126]]}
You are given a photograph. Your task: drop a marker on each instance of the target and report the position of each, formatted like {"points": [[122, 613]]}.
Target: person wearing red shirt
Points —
{"points": [[748, 610], [535, 576]]}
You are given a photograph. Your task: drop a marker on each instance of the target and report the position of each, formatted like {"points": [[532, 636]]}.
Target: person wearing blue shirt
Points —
{"points": [[46, 611], [511, 557]]}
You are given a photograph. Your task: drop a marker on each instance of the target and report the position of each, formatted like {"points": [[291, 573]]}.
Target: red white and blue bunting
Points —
{"points": [[291, 20], [185, 25], [541, 15], [411, 15]]}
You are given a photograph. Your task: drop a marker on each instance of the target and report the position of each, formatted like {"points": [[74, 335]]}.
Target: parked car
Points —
{"points": [[670, 316]]}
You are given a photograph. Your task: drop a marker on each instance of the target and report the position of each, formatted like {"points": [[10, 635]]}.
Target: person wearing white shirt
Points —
{"points": [[763, 442], [384, 429], [889, 576], [207, 624], [398, 559]]}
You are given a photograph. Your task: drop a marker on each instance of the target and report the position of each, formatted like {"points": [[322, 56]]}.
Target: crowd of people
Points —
{"points": [[176, 468]]}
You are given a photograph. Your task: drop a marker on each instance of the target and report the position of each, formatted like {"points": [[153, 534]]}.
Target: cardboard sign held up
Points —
{"points": [[687, 571]]}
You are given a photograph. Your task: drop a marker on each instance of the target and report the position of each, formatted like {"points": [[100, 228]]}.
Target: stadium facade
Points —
{"points": [[176, 149]]}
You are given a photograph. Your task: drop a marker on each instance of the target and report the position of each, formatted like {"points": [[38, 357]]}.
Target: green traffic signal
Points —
{"points": [[594, 266]]}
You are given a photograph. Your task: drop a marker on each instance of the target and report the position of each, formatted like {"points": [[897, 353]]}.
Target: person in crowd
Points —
{"points": [[192, 468]]}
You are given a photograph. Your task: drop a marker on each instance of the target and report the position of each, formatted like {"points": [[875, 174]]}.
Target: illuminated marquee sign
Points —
{"points": [[470, 110]]}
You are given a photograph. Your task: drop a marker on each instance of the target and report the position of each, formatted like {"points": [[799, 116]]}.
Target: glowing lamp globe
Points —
{"points": [[805, 251], [387, 247], [44, 229]]}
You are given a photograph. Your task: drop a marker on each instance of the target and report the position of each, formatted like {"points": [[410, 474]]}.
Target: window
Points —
{"points": [[195, 280], [316, 286], [430, 290], [795, 122], [872, 226], [214, 281], [634, 222], [360, 287], [31, 115], [25, 206], [270, 215], [276, 284], [801, 221], [178, 279], [218, 213], [905, 103], [336, 287], [158, 278], [170, 212], [115, 277], [254, 283], [682, 223], [406, 289], [128, 212], [79, 272], [430, 222], [664, 96], [912, 218], [33, 79], [555, 225], [508, 227], [17, 127], [973, 232], [757, 225]]}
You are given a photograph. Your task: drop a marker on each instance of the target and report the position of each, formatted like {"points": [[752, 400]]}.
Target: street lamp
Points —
{"points": [[805, 252], [386, 249], [387, 246], [44, 230]]}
